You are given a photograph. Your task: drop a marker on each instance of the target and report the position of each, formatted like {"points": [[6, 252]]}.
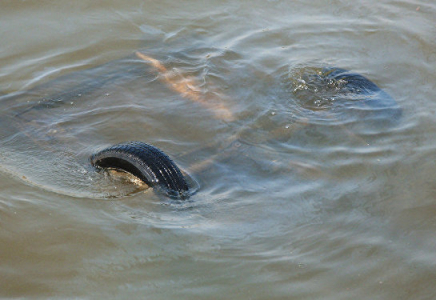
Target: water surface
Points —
{"points": [[294, 203]]}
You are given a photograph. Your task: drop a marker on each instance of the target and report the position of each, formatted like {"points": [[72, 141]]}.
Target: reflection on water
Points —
{"points": [[304, 192]]}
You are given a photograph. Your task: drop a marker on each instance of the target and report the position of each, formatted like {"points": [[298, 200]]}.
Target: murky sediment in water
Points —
{"points": [[304, 193]]}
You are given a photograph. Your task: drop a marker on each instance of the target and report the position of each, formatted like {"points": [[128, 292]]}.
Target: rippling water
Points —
{"points": [[298, 197]]}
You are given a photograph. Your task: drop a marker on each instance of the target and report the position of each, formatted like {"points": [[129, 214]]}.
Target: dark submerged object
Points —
{"points": [[346, 96], [377, 100], [146, 162]]}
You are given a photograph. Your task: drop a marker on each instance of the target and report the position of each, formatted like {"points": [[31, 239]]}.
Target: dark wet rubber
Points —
{"points": [[381, 103], [146, 162]]}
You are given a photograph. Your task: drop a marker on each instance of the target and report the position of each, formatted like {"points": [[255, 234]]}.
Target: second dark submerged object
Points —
{"points": [[376, 101], [348, 97], [147, 163]]}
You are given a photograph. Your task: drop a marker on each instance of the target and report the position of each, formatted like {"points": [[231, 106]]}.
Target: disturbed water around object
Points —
{"points": [[294, 202]]}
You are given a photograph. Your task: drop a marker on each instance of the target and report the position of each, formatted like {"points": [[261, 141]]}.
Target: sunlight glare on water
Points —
{"points": [[304, 193]]}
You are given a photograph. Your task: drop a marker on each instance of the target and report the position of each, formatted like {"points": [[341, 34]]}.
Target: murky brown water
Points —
{"points": [[295, 202]]}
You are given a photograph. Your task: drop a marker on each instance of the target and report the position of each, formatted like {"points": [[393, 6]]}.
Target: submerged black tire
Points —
{"points": [[326, 94], [378, 104], [146, 162]]}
